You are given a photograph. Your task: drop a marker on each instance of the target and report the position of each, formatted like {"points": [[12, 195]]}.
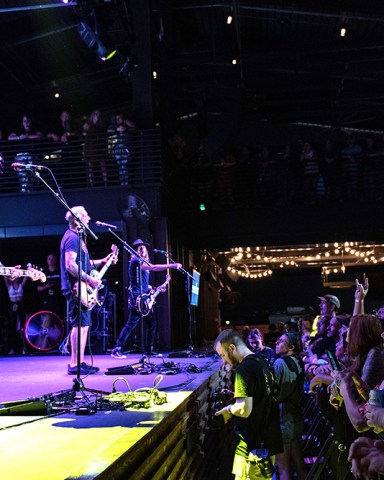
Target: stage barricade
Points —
{"points": [[327, 437]]}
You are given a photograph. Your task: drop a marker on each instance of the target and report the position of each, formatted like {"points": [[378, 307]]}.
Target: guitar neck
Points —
{"points": [[7, 271], [159, 289], [104, 269]]}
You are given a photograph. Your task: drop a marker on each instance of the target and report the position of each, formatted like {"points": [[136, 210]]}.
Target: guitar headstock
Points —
{"points": [[35, 274], [167, 278], [115, 249]]}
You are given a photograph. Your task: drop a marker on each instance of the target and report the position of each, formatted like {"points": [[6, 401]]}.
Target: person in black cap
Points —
{"points": [[139, 283], [329, 305]]}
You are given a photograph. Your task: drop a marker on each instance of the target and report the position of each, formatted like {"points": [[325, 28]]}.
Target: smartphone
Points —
{"points": [[333, 360]]}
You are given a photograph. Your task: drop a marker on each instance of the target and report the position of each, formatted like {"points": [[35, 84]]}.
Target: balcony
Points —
{"points": [[132, 160]]}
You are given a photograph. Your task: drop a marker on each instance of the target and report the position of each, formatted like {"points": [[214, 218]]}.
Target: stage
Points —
{"points": [[50, 429]]}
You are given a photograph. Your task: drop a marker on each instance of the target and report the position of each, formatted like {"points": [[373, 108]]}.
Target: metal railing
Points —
{"points": [[129, 159]]}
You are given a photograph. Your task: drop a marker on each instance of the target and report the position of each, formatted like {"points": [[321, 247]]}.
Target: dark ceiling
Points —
{"points": [[292, 65]]}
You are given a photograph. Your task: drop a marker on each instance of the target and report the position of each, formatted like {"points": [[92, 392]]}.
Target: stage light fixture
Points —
{"points": [[92, 40]]}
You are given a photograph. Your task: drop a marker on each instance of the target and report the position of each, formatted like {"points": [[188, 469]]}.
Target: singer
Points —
{"points": [[139, 276], [69, 274]]}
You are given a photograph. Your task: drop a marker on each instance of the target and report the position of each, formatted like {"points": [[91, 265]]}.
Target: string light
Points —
{"points": [[259, 262]]}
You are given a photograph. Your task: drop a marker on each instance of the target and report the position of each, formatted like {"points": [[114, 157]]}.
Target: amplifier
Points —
{"points": [[100, 330]]}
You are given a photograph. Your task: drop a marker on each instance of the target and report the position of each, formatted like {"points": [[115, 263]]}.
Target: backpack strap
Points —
{"points": [[291, 364]]}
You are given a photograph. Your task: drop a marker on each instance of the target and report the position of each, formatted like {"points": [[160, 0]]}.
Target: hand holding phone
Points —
{"points": [[333, 360]]}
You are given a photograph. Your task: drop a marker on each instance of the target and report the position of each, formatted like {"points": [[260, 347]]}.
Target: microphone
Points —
{"points": [[19, 167], [103, 224], [161, 251]]}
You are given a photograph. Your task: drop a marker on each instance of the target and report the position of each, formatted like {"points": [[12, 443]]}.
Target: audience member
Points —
{"points": [[271, 336], [306, 330], [95, 148], [311, 171], [290, 375], [322, 374], [329, 305], [26, 130], [351, 156], [330, 167], [321, 342], [367, 457], [255, 342], [366, 353], [65, 128], [120, 128], [291, 326]]}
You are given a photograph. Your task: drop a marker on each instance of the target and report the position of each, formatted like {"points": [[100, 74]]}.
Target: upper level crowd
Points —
{"points": [[301, 171], [95, 153], [313, 172]]}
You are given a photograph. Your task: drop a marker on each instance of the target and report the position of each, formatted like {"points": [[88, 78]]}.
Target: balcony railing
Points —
{"points": [[130, 159]]}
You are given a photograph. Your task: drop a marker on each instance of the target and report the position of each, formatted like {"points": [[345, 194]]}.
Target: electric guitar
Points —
{"points": [[146, 301], [32, 273], [89, 295]]}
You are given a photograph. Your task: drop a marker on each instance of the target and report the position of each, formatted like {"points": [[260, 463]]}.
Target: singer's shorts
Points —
{"points": [[73, 308]]}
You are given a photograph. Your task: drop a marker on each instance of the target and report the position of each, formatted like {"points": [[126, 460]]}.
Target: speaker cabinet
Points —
{"points": [[101, 330]]}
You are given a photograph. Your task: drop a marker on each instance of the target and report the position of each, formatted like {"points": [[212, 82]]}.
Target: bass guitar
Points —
{"points": [[89, 295], [32, 273], [146, 301]]}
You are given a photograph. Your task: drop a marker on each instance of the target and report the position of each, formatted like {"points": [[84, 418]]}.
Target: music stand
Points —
{"points": [[78, 384], [142, 364]]}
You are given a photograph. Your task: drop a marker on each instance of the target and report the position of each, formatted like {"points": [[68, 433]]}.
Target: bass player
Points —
{"points": [[139, 284], [69, 248]]}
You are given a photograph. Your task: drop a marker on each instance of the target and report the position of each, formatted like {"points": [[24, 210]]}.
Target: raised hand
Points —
{"points": [[361, 289], [15, 272]]}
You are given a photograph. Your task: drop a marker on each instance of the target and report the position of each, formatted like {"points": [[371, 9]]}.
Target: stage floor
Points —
{"points": [[69, 445]]}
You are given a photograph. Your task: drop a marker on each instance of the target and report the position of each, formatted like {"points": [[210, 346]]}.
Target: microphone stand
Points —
{"points": [[142, 364], [83, 229], [190, 350]]}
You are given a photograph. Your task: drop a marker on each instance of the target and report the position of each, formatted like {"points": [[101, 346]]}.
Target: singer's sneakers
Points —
{"points": [[85, 369], [117, 352]]}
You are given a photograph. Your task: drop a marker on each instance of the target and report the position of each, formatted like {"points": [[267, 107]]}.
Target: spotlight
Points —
{"points": [[229, 20], [93, 42], [343, 31]]}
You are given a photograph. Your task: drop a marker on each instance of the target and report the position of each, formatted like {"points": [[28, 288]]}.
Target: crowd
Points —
{"points": [[258, 175], [93, 139], [336, 358]]}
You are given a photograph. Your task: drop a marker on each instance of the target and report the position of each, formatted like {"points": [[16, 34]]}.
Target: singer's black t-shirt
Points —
{"points": [[70, 243]]}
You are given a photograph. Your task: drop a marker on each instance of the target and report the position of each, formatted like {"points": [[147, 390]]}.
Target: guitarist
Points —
{"points": [[69, 274], [139, 277]]}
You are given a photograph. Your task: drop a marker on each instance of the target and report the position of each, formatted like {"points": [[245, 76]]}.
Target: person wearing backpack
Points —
{"points": [[254, 415], [290, 376]]}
